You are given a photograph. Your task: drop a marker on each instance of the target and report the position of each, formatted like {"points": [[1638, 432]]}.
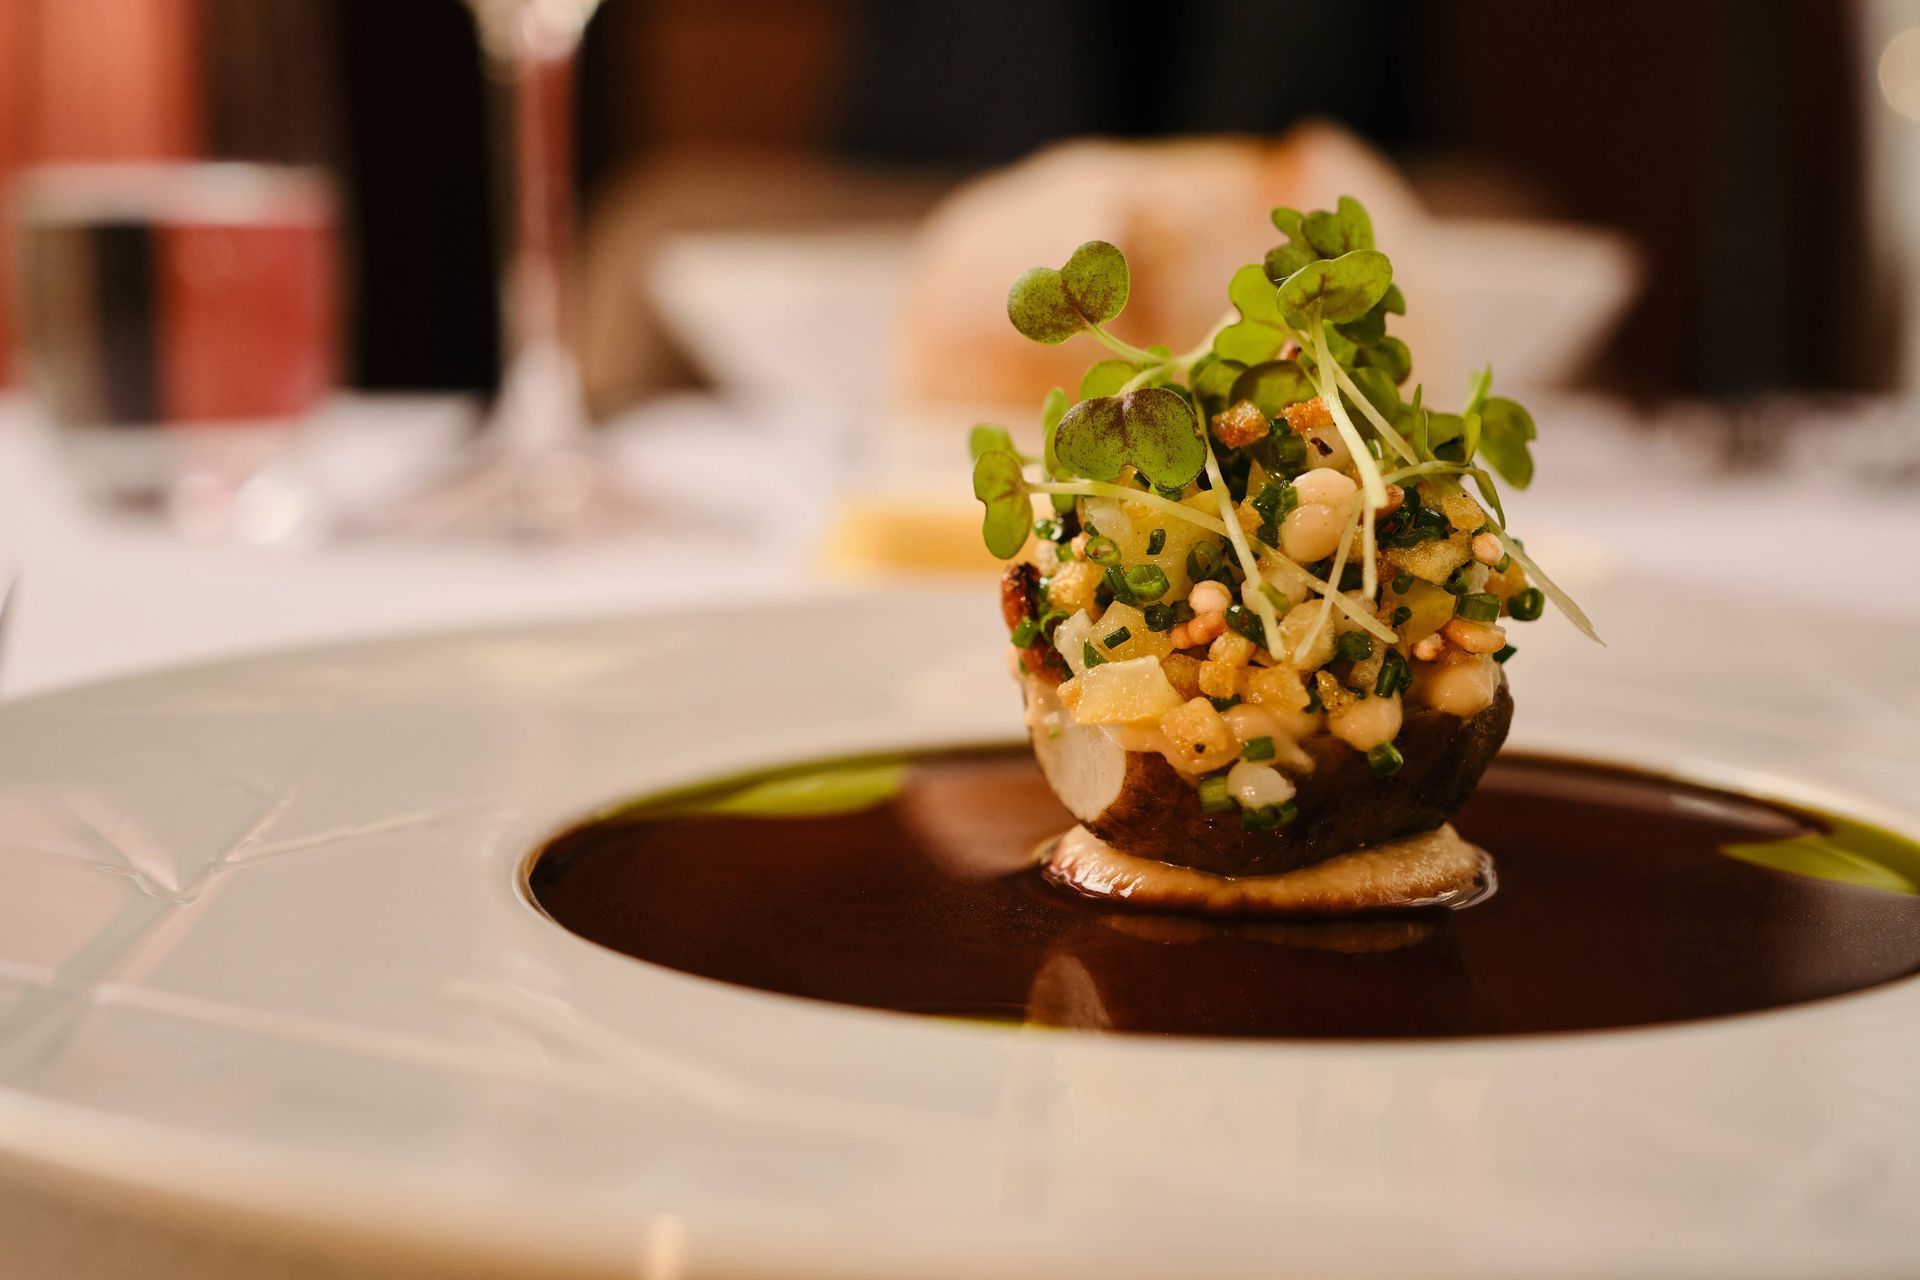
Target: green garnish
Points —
{"points": [[1147, 582], [1221, 704], [1260, 748], [1159, 617], [1103, 551], [1395, 675], [1274, 815], [1528, 605], [1048, 530], [1245, 622], [1214, 796], [1025, 633], [1090, 657], [1402, 582], [1354, 646], [1385, 760], [1309, 321], [1115, 639], [1503, 654], [1401, 615], [1479, 606]]}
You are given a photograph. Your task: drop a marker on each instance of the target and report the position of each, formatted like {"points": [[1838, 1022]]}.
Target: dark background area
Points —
{"points": [[1721, 134]]}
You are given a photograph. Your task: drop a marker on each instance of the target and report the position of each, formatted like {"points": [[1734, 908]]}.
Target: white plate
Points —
{"points": [[264, 953]]}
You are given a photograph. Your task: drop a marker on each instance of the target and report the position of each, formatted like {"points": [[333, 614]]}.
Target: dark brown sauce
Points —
{"points": [[1616, 907]]}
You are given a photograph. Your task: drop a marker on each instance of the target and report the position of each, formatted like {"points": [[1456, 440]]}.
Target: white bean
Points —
{"points": [[1335, 453], [1209, 597], [1459, 688], [1367, 723], [1327, 487], [1310, 533], [1258, 786]]}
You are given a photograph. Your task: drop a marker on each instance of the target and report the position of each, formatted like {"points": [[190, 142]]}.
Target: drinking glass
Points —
{"points": [[536, 471]]}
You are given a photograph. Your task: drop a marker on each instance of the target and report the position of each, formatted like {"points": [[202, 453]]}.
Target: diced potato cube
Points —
{"points": [[1071, 639], [1139, 642], [1183, 673], [1121, 692], [1295, 630], [1072, 589], [1231, 648], [1434, 561], [1277, 687], [1463, 512], [1219, 679], [1428, 607], [1200, 739]]}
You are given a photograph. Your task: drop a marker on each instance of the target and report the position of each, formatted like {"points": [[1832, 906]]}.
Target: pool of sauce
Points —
{"points": [[1616, 908]]}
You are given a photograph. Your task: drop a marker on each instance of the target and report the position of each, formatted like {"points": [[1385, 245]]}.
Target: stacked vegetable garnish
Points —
{"points": [[1265, 541]]}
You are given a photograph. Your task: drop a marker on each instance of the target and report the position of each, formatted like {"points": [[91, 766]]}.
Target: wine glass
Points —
{"points": [[536, 471]]}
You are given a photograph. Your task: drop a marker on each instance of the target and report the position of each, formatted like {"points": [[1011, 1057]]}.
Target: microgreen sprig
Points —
{"points": [[1308, 321]]}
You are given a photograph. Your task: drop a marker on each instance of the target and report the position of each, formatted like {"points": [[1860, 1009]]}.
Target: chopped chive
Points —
{"points": [[1395, 675], [1147, 582], [1267, 503], [1103, 551], [1159, 617], [1528, 605], [1089, 655], [1289, 453], [1247, 623], [1156, 542], [1117, 638], [1480, 606], [1401, 615], [1025, 633], [1067, 552], [1203, 562], [1402, 582], [1385, 760], [1221, 704], [1285, 813], [1051, 619], [1314, 705], [1260, 819], [1352, 578], [1504, 563], [1214, 796], [1047, 529], [1505, 653], [1182, 612], [1260, 748], [1354, 646]]}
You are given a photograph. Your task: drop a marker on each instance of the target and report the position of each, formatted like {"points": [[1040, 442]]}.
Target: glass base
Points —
{"points": [[571, 493]]}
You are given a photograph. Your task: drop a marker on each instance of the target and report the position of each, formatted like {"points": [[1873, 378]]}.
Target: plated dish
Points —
{"points": [[1260, 634], [268, 957]]}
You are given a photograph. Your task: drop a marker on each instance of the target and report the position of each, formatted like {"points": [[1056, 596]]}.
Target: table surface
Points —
{"points": [[103, 595]]}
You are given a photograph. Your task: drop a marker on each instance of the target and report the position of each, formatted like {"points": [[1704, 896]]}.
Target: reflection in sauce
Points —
{"points": [[1615, 908]]}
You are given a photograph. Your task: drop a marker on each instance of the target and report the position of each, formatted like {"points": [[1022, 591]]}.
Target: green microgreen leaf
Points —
{"points": [[1096, 281], [1002, 489], [1505, 431], [1273, 385], [1336, 289], [1852, 853], [1285, 260], [1212, 380], [1153, 430], [1380, 391], [1107, 377], [1477, 390], [986, 437], [1052, 409], [1050, 305], [1040, 309], [1260, 331], [1393, 302], [1389, 355], [1340, 232]]}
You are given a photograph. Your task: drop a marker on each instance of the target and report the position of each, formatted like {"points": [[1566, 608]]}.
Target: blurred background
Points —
{"points": [[330, 277]]}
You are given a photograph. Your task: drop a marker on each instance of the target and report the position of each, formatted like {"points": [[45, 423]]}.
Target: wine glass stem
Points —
{"points": [[536, 69]]}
